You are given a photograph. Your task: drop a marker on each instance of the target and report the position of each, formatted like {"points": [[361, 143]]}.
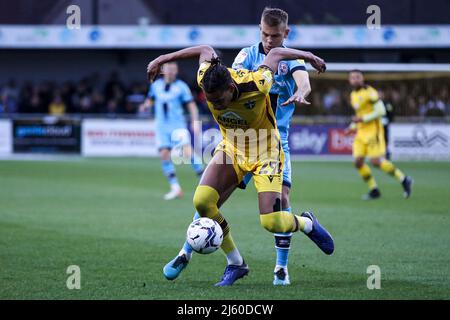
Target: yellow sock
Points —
{"points": [[228, 244], [366, 175], [205, 201], [284, 221], [389, 168], [279, 222]]}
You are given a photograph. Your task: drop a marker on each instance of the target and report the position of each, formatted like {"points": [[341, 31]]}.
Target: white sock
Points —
{"points": [[277, 267], [188, 255], [235, 258], [308, 225]]}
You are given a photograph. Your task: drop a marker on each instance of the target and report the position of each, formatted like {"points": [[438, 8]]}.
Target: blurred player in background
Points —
{"points": [[291, 85], [169, 95], [370, 138], [239, 99]]}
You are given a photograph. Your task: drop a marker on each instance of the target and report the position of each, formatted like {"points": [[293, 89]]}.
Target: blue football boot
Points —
{"points": [[173, 269], [319, 235], [233, 273]]}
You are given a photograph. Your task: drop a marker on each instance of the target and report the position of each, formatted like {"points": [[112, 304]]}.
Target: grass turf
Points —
{"points": [[107, 216]]}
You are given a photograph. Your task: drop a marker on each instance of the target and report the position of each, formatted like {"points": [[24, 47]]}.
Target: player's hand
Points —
{"points": [[356, 119], [153, 70], [349, 131], [298, 98], [318, 64]]}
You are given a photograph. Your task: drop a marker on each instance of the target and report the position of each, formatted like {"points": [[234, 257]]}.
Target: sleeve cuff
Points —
{"points": [[303, 68]]}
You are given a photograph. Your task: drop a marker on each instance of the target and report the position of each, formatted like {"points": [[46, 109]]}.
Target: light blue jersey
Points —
{"points": [[283, 88], [284, 85], [169, 99]]}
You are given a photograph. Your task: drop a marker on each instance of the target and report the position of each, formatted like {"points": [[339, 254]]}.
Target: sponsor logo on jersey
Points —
{"points": [[240, 57], [231, 119]]}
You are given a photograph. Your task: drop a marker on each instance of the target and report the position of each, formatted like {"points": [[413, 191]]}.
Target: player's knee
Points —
{"points": [[358, 163], [205, 201], [376, 162]]}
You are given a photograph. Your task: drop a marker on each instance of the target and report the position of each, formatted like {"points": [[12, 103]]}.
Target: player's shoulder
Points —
{"points": [[157, 83], [251, 49], [181, 83], [244, 56], [240, 75], [259, 80]]}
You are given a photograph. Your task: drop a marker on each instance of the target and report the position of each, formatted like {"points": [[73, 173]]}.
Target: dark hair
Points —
{"points": [[356, 70], [217, 77], [273, 17]]}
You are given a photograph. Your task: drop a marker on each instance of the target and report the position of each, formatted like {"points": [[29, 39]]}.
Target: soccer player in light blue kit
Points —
{"points": [[291, 86], [169, 95]]}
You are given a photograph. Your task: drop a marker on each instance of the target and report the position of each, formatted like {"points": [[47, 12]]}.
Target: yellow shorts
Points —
{"points": [[267, 169], [371, 146]]}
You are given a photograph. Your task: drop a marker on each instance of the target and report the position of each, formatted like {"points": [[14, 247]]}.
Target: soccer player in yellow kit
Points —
{"points": [[239, 102], [369, 140]]}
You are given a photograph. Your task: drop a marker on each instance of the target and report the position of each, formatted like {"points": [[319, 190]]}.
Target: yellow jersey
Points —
{"points": [[363, 101], [250, 114]]}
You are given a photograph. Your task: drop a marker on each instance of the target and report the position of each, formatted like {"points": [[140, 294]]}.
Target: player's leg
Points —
{"points": [[275, 220], [359, 153], [196, 161], [174, 267], [376, 152], [184, 138], [169, 171], [221, 174], [283, 240], [389, 168]]}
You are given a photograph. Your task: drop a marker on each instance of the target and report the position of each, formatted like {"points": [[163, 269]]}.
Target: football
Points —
{"points": [[204, 235]]}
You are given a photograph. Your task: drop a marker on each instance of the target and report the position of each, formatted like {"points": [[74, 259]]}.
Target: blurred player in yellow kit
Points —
{"points": [[369, 140]]}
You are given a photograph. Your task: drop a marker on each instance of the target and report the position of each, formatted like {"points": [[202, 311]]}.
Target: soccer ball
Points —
{"points": [[204, 235]]}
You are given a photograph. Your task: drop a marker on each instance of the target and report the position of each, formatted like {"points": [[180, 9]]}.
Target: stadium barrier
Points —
{"points": [[46, 135], [5, 137], [122, 137], [137, 137]]}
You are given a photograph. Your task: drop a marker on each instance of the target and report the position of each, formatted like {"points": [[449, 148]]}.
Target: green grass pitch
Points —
{"points": [[107, 216]]}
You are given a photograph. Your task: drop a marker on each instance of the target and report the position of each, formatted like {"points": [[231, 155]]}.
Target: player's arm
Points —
{"points": [[149, 100], [379, 110], [301, 78], [203, 53], [278, 54], [193, 112], [350, 129], [146, 105]]}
